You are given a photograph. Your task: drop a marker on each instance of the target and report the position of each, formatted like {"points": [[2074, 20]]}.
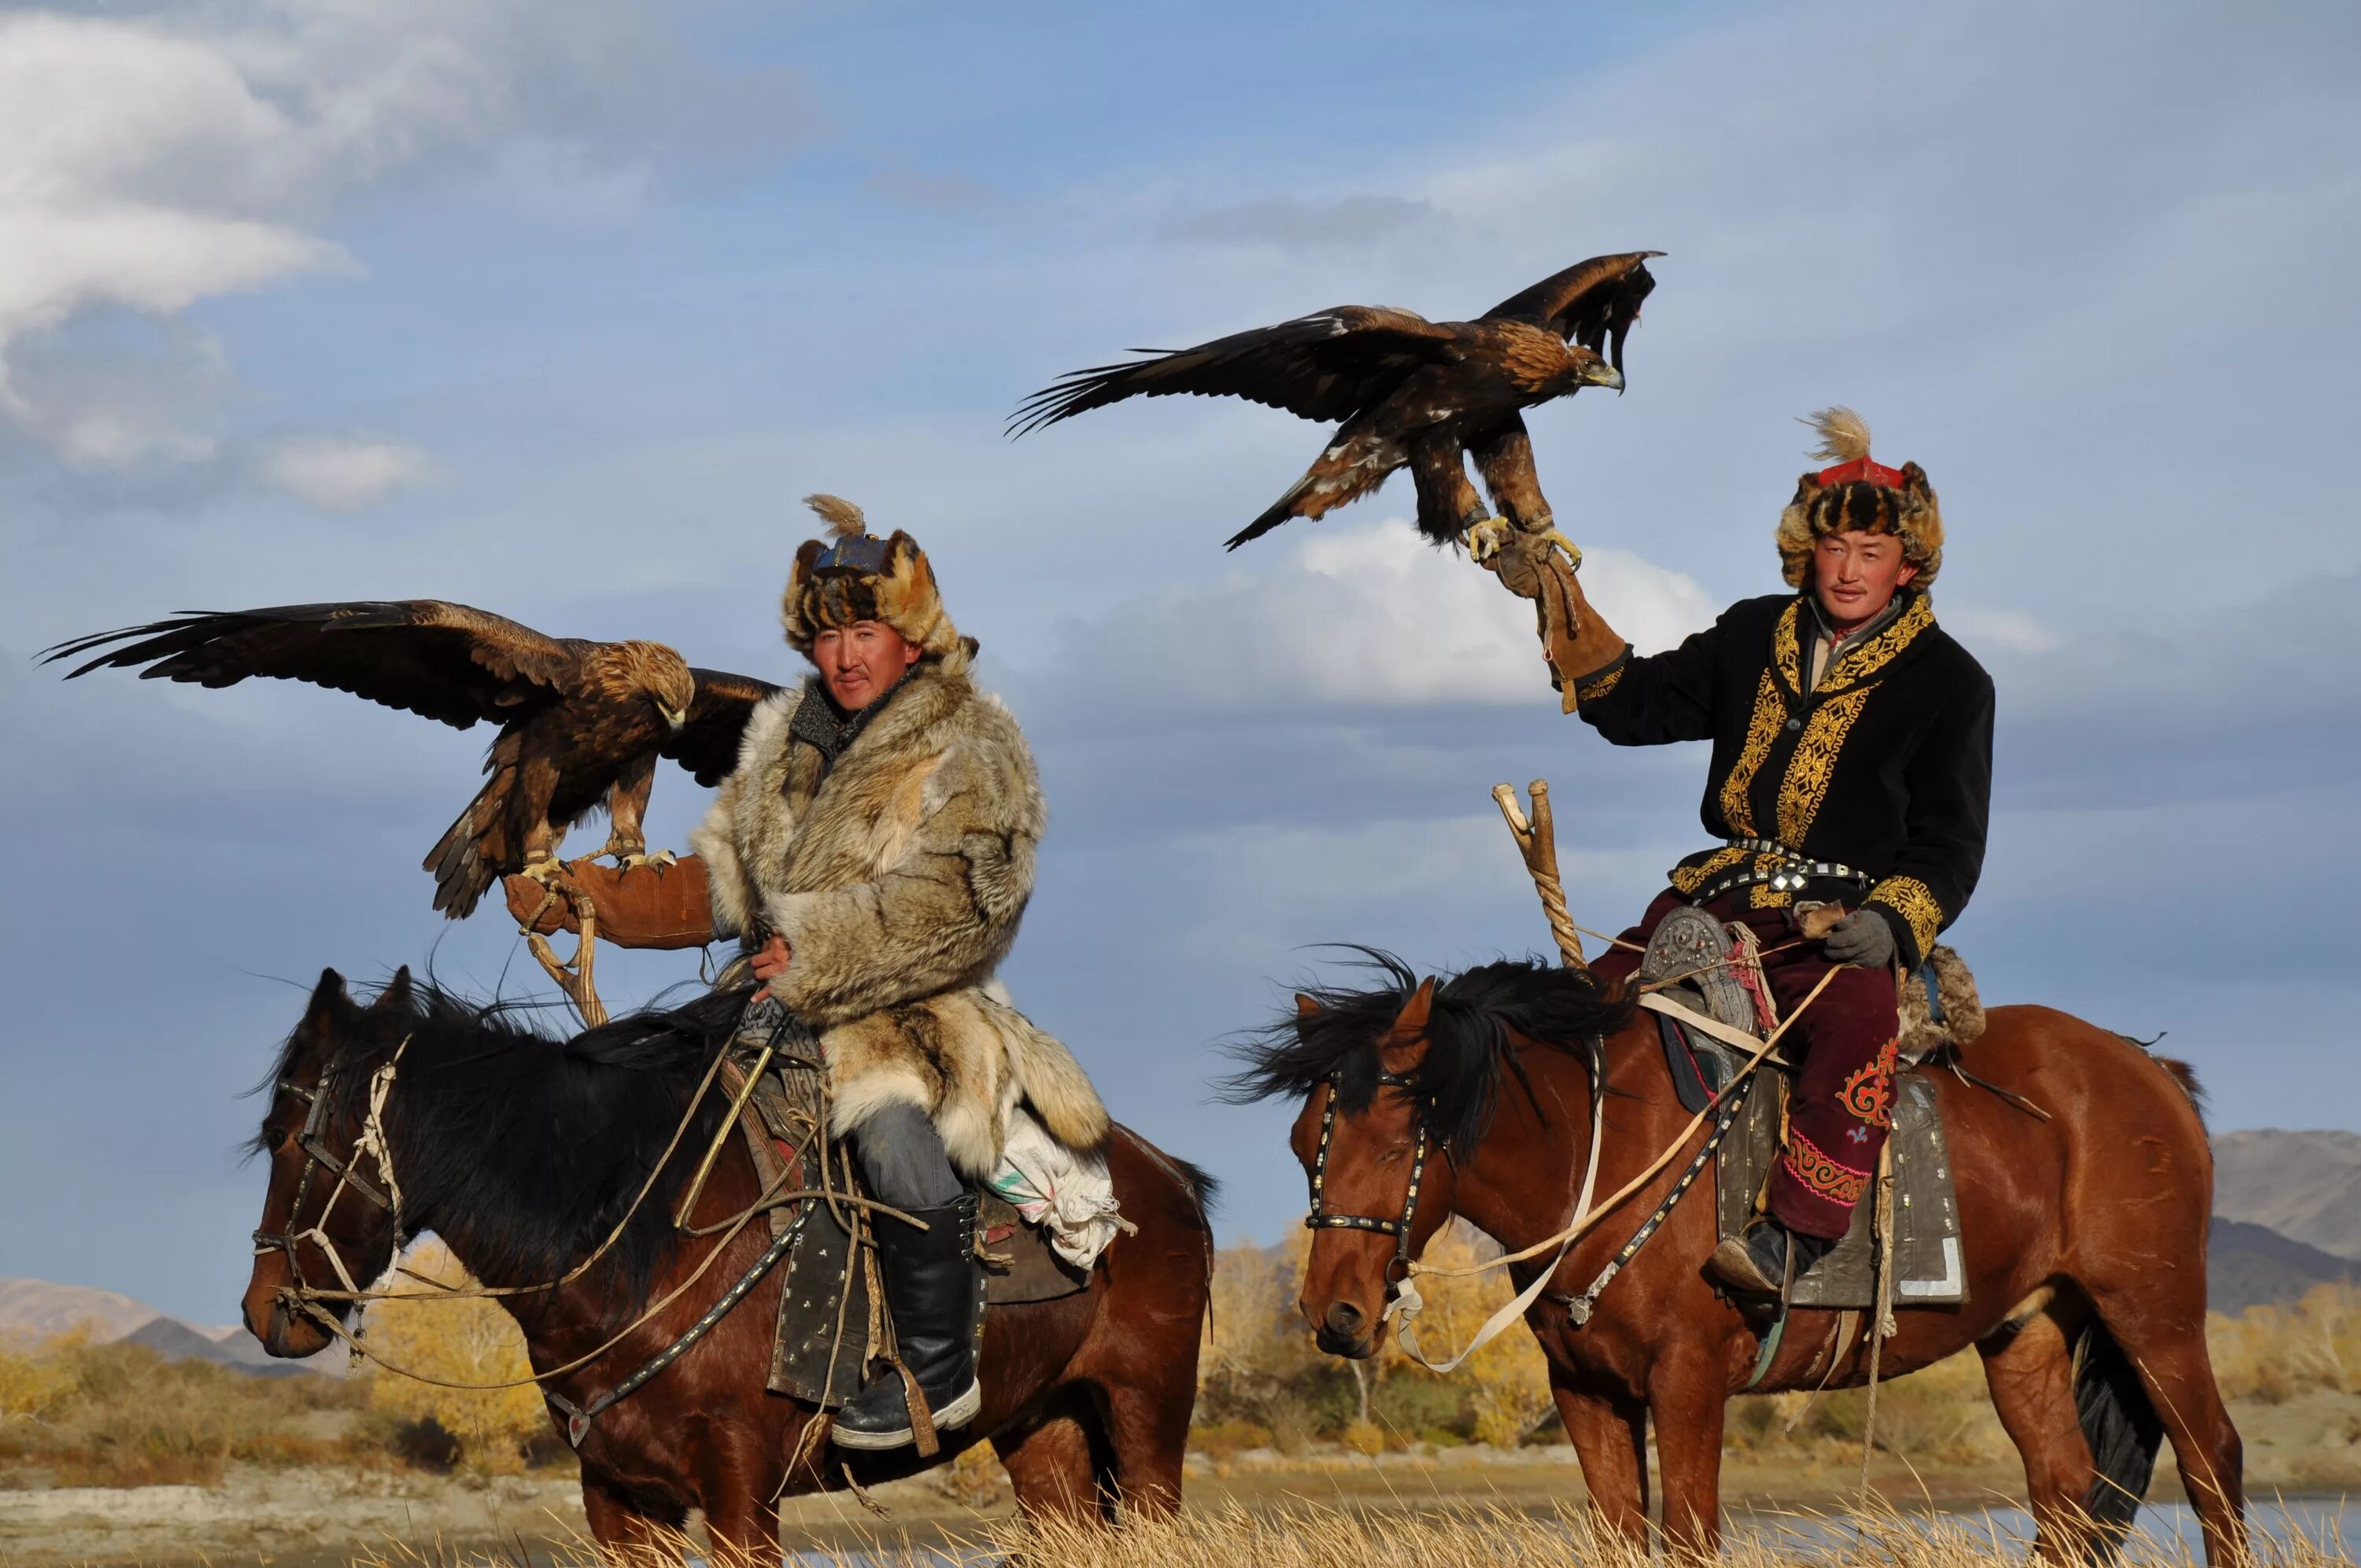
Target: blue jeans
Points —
{"points": [[902, 1156]]}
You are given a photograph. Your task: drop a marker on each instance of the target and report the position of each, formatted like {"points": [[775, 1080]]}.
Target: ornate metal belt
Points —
{"points": [[1791, 875]]}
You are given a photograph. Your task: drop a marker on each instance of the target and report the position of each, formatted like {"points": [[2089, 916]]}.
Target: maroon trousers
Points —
{"points": [[1842, 1101]]}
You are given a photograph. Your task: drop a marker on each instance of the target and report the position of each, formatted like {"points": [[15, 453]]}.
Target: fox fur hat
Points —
{"points": [[1859, 494], [853, 575]]}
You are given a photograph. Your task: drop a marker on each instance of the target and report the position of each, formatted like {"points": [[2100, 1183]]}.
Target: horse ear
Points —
{"points": [[1410, 1022], [325, 995], [1304, 1005], [396, 995]]}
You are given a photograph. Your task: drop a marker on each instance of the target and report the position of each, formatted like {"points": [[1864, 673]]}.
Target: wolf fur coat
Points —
{"points": [[896, 876]]}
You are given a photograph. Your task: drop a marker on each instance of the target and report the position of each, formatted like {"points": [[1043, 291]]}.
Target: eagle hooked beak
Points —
{"points": [[673, 716], [1602, 374]]}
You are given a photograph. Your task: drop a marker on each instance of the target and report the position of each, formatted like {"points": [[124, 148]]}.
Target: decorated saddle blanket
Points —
{"points": [[1041, 1224], [1939, 1015]]}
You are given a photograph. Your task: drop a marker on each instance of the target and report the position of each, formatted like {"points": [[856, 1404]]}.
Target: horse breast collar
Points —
{"points": [[1400, 1228]]}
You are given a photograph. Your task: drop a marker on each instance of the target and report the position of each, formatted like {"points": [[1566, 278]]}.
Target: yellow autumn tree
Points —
{"points": [[1507, 1380], [457, 1340], [37, 1379]]}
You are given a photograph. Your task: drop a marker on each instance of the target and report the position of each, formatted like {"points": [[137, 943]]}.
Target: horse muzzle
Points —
{"points": [[1344, 1330]]}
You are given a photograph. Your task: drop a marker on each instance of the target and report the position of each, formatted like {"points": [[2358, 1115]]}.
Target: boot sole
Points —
{"points": [[951, 1418], [1733, 1267]]}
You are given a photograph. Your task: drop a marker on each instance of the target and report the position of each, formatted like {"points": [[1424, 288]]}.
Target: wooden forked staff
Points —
{"points": [[1537, 842]]}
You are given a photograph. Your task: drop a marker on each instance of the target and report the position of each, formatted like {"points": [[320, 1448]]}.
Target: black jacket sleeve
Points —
{"points": [[1656, 700], [1949, 785]]}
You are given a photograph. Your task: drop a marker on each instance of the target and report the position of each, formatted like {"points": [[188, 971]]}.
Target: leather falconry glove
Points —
{"points": [[645, 906], [1863, 939], [1575, 639]]}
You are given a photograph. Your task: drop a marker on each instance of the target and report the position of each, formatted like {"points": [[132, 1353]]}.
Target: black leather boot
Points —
{"points": [[1767, 1260], [930, 1279]]}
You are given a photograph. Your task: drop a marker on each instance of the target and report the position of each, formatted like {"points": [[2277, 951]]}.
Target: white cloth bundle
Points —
{"points": [[1049, 1184]]}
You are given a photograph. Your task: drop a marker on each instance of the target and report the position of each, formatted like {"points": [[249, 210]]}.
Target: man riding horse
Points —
{"points": [[873, 852], [1851, 767]]}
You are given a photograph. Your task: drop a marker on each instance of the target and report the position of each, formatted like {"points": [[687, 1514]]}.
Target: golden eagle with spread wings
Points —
{"points": [[1406, 391], [582, 723]]}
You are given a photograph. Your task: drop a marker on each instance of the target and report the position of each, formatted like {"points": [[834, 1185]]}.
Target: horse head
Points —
{"points": [[1381, 1186], [328, 1221]]}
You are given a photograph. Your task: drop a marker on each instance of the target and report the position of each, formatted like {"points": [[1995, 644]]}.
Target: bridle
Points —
{"points": [[385, 1193], [1319, 1218]]}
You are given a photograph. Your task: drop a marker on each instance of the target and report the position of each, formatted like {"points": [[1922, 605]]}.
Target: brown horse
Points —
{"points": [[523, 1152], [2084, 1236]]}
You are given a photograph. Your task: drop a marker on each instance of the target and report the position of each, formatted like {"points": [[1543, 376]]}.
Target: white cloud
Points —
{"points": [[1371, 616], [1995, 626], [339, 473], [152, 161]]}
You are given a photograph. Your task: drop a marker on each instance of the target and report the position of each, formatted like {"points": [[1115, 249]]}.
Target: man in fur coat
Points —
{"points": [[1851, 770], [873, 852]]}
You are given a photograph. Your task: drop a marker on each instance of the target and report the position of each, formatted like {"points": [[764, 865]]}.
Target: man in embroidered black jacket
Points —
{"points": [[1852, 766]]}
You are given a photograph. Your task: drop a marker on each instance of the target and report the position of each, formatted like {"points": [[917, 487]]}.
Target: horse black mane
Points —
{"points": [[520, 1146], [1457, 1085]]}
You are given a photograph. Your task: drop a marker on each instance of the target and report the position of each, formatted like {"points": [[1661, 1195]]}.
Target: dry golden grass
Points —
{"points": [[1478, 1535]]}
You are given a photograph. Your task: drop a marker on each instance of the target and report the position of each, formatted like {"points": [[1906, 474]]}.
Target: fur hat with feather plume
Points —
{"points": [[852, 576], [1856, 493]]}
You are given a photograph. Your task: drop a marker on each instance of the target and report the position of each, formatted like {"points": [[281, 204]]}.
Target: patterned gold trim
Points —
{"points": [[1762, 731], [1763, 896], [1814, 764], [1688, 879], [1592, 691], [1861, 663], [1917, 905], [1785, 653]]}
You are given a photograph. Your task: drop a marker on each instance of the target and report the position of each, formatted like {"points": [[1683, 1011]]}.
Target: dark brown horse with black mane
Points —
{"points": [[523, 1152], [2084, 1236]]}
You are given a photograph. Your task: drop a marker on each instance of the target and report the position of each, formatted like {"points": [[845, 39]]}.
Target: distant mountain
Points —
{"points": [[2303, 1185], [36, 1309], [176, 1341], [2253, 1266], [40, 1309]]}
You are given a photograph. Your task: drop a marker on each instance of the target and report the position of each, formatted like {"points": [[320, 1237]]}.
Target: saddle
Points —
{"points": [[1707, 968], [831, 1321]]}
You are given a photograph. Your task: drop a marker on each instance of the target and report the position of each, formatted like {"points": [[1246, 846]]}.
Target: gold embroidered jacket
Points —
{"points": [[1885, 767]]}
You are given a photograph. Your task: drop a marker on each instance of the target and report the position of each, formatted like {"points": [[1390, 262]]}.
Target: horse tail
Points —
{"points": [[2182, 1074], [2122, 1429]]}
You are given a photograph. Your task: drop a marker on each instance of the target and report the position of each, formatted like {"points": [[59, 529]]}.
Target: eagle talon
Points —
{"points": [[546, 870], [1573, 550], [1483, 540], [630, 860]]}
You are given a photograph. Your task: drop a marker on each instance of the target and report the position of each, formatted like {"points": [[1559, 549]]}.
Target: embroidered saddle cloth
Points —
{"points": [[1690, 946], [829, 1321]]}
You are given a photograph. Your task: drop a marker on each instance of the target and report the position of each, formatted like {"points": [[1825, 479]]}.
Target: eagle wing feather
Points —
{"points": [[447, 661], [1592, 302], [706, 745], [1326, 366]]}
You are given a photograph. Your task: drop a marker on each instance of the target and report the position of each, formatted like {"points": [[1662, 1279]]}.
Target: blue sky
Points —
{"points": [[556, 310]]}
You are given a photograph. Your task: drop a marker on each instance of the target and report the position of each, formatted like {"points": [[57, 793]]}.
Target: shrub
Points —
{"points": [[460, 1340]]}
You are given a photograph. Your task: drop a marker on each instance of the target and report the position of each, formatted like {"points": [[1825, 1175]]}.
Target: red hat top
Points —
{"points": [[1844, 441]]}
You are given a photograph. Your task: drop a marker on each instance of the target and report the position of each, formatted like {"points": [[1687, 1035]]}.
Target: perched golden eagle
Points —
{"points": [[581, 723], [1406, 390]]}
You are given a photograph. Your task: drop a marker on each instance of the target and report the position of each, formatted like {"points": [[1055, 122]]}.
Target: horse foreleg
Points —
{"points": [[1688, 1395], [2031, 1375], [630, 1525], [741, 1482], [1610, 1439]]}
